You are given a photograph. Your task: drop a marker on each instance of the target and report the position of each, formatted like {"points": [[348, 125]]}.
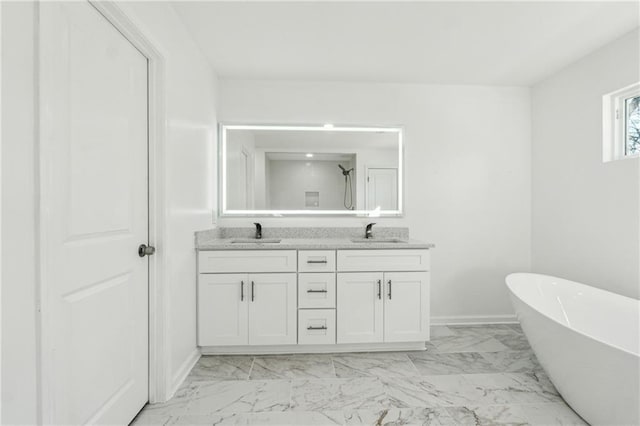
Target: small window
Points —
{"points": [[621, 125], [632, 125]]}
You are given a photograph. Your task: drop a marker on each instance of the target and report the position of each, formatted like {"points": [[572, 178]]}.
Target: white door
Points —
{"points": [[223, 302], [406, 306], [94, 215], [360, 307], [382, 188], [272, 309]]}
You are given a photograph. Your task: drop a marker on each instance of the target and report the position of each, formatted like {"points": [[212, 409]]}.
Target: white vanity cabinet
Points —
{"points": [[255, 301], [247, 308], [381, 306]]}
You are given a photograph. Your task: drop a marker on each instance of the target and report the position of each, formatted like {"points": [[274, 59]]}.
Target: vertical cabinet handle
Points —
{"points": [[253, 291], [379, 289], [241, 291], [389, 282]]}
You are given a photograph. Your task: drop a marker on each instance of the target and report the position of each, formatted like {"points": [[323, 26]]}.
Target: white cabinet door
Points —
{"points": [[223, 309], [360, 307], [272, 309], [406, 306]]}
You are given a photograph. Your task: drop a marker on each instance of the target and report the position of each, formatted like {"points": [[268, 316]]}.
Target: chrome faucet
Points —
{"points": [[258, 231], [369, 233]]}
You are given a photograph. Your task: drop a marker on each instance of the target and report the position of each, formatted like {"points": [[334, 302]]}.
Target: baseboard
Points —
{"points": [[474, 319], [312, 349], [184, 370]]}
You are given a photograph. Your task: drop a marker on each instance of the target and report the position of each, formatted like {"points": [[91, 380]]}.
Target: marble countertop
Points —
{"points": [[310, 244]]}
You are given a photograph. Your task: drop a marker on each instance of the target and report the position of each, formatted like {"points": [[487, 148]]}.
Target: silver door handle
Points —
{"points": [[316, 291], [317, 328], [145, 250], [379, 289], [389, 282], [241, 291], [253, 291], [316, 261]]}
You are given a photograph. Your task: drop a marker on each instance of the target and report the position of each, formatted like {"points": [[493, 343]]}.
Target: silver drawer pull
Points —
{"points": [[317, 261], [324, 327], [316, 291]]}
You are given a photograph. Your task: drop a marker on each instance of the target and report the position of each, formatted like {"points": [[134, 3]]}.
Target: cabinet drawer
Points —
{"points": [[316, 326], [383, 260], [247, 261], [317, 290], [317, 260]]}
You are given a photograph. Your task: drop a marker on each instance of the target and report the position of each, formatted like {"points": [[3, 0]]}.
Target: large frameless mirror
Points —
{"points": [[268, 170]]}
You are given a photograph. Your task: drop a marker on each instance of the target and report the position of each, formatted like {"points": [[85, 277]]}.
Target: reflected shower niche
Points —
{"points": [[310, 170]]}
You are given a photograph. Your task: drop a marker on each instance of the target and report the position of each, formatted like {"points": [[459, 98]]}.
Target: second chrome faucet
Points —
{"points": [[368, 233], [258, 231]]}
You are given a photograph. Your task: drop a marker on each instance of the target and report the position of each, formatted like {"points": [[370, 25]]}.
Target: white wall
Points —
{"points": [[586, 213], [190, 165], [190, 191], [467, 157], [289, 180]]}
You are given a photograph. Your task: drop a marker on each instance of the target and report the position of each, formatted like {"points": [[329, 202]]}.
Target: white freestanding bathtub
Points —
{"points": [[588, 342]]}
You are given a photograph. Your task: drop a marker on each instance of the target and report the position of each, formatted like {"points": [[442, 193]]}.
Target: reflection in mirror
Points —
{"points": [[313, 170]]}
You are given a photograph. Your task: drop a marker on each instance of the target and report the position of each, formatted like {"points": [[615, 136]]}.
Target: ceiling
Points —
{"points": [[446, 42]]}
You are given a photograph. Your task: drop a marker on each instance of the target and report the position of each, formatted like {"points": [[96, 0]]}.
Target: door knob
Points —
{"points": [[145, 250]]}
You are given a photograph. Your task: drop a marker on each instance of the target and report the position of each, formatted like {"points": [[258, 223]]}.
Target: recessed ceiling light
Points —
{"points": [[309, 155], [328, 126]]}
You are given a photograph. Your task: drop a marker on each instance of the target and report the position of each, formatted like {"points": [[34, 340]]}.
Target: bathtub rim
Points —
{"points": [[588, 336]]}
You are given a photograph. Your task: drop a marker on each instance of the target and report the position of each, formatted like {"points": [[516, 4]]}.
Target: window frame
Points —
{"points": [[615, 123]]}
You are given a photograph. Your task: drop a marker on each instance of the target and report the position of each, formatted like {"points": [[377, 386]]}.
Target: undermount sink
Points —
{"points": [[256, 241], [377, 240]]}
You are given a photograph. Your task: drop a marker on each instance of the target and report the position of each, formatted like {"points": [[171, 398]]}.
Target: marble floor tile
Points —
{"points": [[296, 418], [432, 363], [176, 405], [146, 419], [486, 415], [512, 361], [399, 416], [512, 388], [517, 328], [480, 375], [516, 342], [506, 334], [225, 367], [525, 414], [275, 418], [467, 342], [430, 391], [440, 331], [550, 414], [240, 397], [484, 329], [210, 419], [292, 367], [380, 364], [337, 394]]}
